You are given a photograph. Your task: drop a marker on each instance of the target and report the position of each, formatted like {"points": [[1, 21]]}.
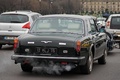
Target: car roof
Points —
{"points": [[101, 18], [21, 12], [115, 15], [68, 15], [91, 16]]}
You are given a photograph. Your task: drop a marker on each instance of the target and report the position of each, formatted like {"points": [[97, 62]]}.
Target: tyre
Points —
{"points": [[26, 67], [102, 60], [0, 46], [87, 68], [119, 45]]}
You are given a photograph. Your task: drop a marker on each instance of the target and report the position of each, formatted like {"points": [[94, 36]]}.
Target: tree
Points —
{"points": [[44, 7]]}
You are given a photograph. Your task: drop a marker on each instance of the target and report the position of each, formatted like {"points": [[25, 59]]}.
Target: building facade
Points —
{"points": [[99, 6]]}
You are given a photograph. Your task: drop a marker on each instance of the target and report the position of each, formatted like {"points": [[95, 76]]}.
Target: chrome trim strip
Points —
{"points": [[13, 57], [31, 42]]}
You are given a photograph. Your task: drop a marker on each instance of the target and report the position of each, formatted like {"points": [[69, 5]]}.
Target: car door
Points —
{"points": [[98, 39]]}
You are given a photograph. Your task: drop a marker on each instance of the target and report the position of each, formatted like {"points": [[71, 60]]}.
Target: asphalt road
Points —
{"points": [[11, 71]]}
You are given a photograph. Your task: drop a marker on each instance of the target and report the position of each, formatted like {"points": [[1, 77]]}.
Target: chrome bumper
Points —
{"points": [[15, 57]]}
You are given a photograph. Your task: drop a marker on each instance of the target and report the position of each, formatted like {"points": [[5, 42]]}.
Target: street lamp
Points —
{"points": [[40, 5], [50, 4]]}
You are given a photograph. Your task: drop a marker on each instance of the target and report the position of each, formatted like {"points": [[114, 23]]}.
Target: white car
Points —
{"points": [[101, 21], [113, 27], [15, 23]]}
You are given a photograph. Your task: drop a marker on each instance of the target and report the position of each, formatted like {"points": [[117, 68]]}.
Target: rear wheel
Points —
{"points": [[26, 67], [0, 46], [87, 68], [102, 60], [119, 45]]}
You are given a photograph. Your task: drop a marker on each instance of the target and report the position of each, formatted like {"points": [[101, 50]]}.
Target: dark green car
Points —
{"points": [[61, 39]]}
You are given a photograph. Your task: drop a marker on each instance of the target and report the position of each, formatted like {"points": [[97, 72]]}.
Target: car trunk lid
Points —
{"points": [[49, 45], [49, 40]]}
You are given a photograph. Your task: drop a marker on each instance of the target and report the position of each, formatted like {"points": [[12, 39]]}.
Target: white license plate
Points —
{"points": [[46, 50], [10, 38]]}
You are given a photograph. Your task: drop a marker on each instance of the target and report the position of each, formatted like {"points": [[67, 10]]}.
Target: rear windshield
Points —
{"points": [[56, 24], [116, 20], [13, 18], [101, 19]]}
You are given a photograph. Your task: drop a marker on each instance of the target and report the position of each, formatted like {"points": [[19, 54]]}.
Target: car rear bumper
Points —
{"points": [[22, 58], [3, 42], [8, 37]]}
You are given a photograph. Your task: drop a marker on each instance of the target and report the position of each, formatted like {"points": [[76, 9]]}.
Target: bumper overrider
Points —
{"points": [[21, 58]]}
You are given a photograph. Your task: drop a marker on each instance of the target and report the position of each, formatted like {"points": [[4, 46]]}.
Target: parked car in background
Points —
{"points": [[62, 40], [113, 27], [101, 24], [15, 23], [101, 21]]}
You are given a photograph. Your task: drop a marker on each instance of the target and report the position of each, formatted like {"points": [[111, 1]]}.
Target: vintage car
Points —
{"points": [[61, 39]]}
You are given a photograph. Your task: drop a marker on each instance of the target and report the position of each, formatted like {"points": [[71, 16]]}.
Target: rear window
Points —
{"points": [[101, 19], [115, 20], [13, 18], [56, 24]]}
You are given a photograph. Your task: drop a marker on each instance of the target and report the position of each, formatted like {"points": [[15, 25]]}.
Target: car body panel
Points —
{"points": [[48, 37], [12, 27]]}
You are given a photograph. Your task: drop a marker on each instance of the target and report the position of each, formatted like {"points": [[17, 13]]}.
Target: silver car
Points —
{"points": [[113, 27], [15, 23]]}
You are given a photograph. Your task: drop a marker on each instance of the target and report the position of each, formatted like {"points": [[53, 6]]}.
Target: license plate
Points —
{"points": [[46, 50], [10, 38]]}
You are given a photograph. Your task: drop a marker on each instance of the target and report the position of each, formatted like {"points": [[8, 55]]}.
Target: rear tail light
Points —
{"points": [[15, 43], [78, 46], [64, 63], [108, 24], [26, 62], [27, 26]]}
